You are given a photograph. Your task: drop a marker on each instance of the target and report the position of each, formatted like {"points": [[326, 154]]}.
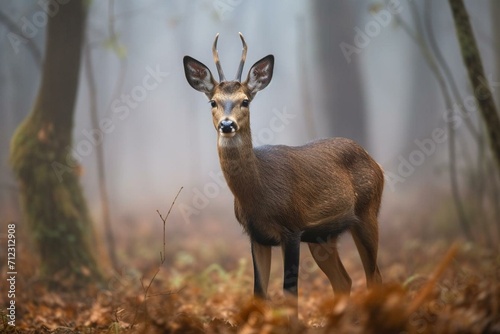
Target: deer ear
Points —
{"points": [[199, 76], [260, 75]]}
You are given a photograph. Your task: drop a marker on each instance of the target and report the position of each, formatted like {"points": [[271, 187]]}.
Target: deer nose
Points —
{"points": [[227, 126]]}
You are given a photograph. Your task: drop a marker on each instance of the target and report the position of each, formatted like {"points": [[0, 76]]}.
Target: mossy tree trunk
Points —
{"points": [[51, 195], [478, 80]]}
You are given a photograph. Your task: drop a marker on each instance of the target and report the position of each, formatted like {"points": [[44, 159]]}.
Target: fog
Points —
{"points": [[157, 131]]}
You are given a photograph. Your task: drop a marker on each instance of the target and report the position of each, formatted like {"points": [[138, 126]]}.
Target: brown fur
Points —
{"points": [[284, 195], [281, 189]]}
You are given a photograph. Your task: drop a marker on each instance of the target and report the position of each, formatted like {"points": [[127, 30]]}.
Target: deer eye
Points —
{"points": [[213, 103], [245, 103]]}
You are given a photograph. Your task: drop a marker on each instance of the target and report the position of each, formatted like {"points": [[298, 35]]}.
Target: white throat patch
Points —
{"points": [[229, 141]]}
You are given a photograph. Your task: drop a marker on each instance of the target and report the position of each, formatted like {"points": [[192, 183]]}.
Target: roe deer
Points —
{"points": [[284, 195]]}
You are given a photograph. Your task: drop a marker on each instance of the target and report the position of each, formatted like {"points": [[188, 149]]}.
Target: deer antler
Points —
{"points": [[243, 58], [216, 59]]}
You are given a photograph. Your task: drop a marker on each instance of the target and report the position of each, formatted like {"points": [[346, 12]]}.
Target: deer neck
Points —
{"points": [[239, 165]]}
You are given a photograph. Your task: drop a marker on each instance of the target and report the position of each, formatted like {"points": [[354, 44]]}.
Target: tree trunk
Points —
{"points": [[478, 80], [52, 198], [340, 78], [495, 29]]}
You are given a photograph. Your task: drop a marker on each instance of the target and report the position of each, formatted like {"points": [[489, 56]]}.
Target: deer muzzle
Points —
{"points": [[227, 127]]}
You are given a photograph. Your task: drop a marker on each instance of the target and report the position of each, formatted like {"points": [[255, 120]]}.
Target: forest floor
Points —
{"points": [[205, 285]]}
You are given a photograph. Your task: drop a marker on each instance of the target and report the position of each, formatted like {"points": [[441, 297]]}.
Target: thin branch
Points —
{"points": [[101, 168], [111, 18], [435, 69], [446, 70], [165, 221], [120, 81], [162, 260], [32, 47], [480, 176]]}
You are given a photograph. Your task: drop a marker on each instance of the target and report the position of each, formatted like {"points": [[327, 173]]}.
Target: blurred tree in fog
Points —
{"points": [[495, 28], [481, 90], [340, 81], [423, 100], [19, 75], [48, 176], [477, 77]]}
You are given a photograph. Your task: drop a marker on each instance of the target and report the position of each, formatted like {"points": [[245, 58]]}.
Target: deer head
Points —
{"points": [[230, 100]]}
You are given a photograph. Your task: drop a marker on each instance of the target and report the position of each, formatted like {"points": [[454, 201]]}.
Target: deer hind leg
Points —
{"points": [[327, 257], [365, 235]]}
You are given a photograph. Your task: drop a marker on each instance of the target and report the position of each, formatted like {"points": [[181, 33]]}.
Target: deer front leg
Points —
{"points": [[291, 254], [261, 256]]}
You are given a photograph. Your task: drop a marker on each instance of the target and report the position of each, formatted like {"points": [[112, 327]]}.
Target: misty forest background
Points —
{"points": [[389, 75]]}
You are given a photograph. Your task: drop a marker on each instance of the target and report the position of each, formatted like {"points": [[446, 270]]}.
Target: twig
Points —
{"points": [[162, 260]]}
